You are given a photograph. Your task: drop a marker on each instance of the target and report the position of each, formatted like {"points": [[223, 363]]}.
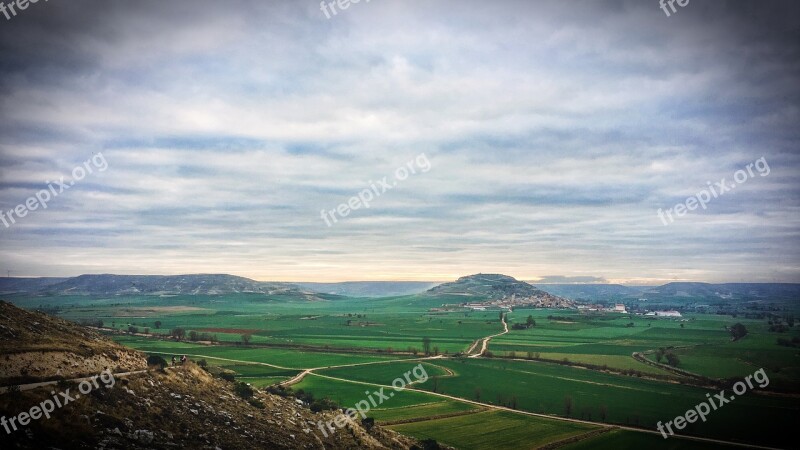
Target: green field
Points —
{"points": [[618, 439], [493, 430], [283, 358], [356, 344]]}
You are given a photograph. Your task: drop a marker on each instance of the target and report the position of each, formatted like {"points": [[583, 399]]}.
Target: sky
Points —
{"points": [[538, 139]]}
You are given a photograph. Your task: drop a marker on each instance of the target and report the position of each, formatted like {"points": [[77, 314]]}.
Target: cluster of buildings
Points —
{"points": [[620, 308], [508, 303]]}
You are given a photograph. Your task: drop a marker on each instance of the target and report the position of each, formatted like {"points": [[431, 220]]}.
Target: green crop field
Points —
{"points": [[618, 439], [360, 343], [493, 430], [421, 411], [286, 358], [545, 388], [348, 394]]}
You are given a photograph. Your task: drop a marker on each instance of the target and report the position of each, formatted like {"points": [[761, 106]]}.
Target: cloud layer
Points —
{"points": [[555, 131]]}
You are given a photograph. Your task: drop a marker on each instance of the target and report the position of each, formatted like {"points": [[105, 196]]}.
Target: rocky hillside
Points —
{"points": [[490, 287], [183, 407], [37, 347]]}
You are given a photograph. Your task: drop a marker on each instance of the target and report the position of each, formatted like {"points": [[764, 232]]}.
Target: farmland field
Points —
{"points": [[569, 364], [493, 430]]}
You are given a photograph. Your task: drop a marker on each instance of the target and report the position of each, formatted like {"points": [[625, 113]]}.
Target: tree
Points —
{"points": [[738, 331], [246, 338], [178, 333], [426, 345], [567, 406], [659, 354], [530, 322], [603, 413], [672, 359], [132, 329], [501, 316], [157, 324], [477, 394], [193, 335]]}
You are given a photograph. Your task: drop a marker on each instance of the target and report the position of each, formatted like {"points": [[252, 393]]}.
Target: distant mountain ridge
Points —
{"points": [[592, 292], [676, 291], [491, 286], [108, 284]]}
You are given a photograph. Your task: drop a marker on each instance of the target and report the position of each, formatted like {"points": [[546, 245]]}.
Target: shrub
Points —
{"points": [[156, 360], [280, 391], [427, 444], [307, 397], [368, 423], [227, 376], [324, 404], [244, 390], [256, 403]]}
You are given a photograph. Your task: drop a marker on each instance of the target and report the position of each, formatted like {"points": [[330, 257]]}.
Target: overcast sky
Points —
{"points": [[554, 132]]}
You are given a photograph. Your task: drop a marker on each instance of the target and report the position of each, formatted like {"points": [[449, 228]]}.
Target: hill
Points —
{"points": [[726, 291], [108, 284], [496, 287], [181, 407]]}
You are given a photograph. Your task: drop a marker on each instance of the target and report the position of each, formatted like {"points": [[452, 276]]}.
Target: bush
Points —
{"points": [[156, 360], [280, 391], [427, 444], [307, 397], [202, 363], [227, 376], [256, 403], [244, 390], [324, 404], [368, 423]]}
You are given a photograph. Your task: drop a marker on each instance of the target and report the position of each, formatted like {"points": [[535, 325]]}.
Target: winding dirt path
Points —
{"points": [[489, 338]]}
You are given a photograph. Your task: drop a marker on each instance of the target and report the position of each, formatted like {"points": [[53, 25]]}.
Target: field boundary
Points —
{"points": [[573, 439], [428, 418]]}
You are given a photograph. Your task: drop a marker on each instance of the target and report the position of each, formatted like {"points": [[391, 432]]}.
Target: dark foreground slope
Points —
{"points": [[184, 407]]}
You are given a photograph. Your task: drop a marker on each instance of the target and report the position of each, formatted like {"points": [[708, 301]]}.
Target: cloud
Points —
{"points": [[555, 133], [561, 279]]}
